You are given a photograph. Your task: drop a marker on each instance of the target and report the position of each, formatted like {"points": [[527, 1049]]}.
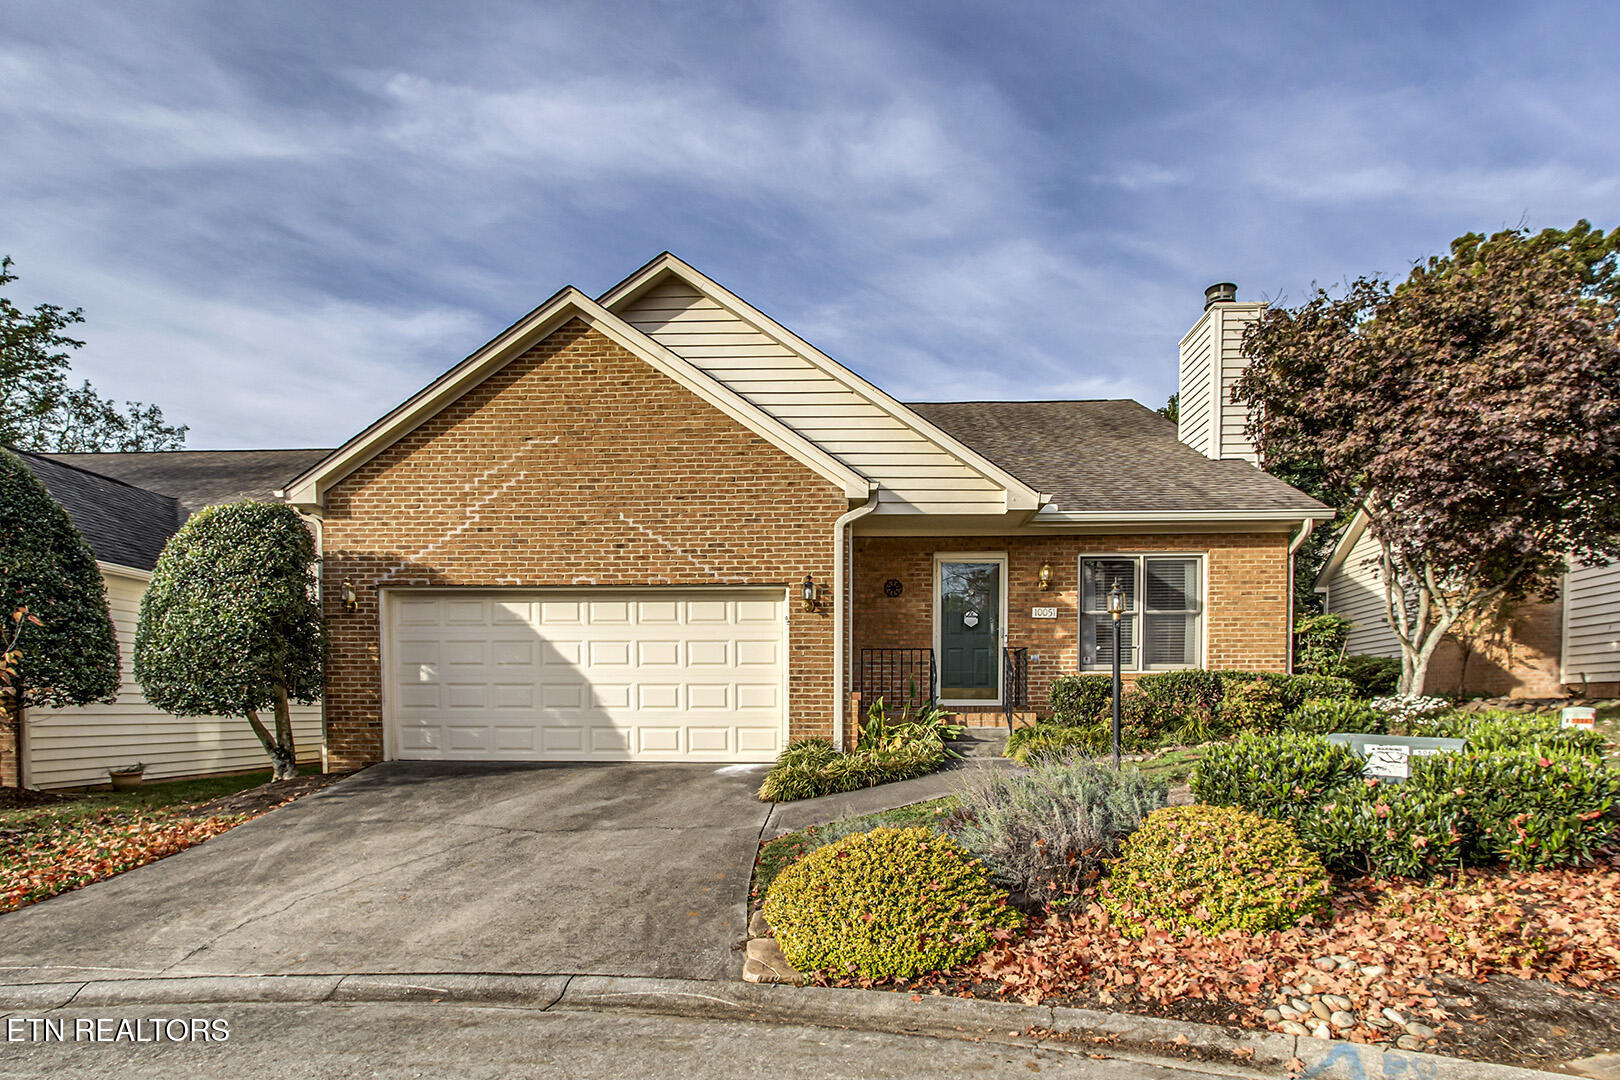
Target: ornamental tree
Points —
{"points": [[1472, 412], [58, 637], [230, 625]]}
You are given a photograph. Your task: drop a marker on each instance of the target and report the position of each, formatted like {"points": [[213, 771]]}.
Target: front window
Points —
{"points": [[1160, 629]]}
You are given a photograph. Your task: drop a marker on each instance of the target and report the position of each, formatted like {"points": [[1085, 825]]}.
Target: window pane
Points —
{"points": [[1099, 575], [1170, 640], [1172, 584], [1097, 642]]}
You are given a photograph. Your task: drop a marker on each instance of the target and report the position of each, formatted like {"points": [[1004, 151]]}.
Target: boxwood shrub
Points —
{"points": [[1208, 869], [889, 903], [1280, 776], [1076, 699], [1498, 730]]}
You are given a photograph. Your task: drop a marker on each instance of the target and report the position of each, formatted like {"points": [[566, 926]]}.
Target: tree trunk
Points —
{"points": [[286, 753], [283, 761]]}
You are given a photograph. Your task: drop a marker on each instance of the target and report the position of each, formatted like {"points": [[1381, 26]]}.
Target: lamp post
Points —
{"points": [[1116, 608]]}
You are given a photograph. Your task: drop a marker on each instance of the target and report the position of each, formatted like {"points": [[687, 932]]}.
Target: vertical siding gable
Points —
{"points": [[1592, 624], [1356, 591], [915, 474]]}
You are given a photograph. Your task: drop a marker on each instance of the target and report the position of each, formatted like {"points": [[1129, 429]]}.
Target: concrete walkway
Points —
{"points": [[605, 869]]}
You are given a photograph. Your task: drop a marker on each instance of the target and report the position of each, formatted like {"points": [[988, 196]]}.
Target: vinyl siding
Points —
{"points": [[1233, 320], [1592, 625], [1355, 592], [915, 475], [75, 747], [1195, 405]]}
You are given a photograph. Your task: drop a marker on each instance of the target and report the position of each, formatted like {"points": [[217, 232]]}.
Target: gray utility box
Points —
{"points": [[1389, 757]]}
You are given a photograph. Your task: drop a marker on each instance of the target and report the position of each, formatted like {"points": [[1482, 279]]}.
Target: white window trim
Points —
{"points": [[1001, 645], [1137, 650]]}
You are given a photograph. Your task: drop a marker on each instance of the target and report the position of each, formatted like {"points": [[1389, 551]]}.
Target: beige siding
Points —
{"points": [[1233, 319], [75, 747], [915, 475], [1355, 592], [1195, 405], [1592, 625]]}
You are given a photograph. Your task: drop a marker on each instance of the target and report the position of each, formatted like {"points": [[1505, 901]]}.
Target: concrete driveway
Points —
{"points": [[411, 867]]}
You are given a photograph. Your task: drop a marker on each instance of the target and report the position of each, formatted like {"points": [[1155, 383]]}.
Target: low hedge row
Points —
{"points": [[1533, 803], [810, 768]]}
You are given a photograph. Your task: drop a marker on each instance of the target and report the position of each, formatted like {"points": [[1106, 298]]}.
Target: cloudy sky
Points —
{"points": [[282, 219]]}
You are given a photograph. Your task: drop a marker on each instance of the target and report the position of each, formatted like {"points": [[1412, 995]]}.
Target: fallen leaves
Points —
{"points": [[52, 857]]}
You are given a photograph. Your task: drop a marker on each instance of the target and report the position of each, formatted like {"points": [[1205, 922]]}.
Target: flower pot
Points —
{"points": [[124, 781]]}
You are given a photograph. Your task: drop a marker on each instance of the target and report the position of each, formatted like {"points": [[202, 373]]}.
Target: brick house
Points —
{"points": [[656, 525]]}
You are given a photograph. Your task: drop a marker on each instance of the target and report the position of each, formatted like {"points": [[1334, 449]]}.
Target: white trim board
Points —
{"points": [[309, 490]]}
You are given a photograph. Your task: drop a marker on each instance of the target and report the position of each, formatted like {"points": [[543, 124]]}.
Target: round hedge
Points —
{"points": [[886, 903], [1209, 869]]}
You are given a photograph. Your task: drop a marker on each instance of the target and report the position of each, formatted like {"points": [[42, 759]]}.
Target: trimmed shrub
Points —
{"points": [[1076, 699], [1141, 722], [1391, 830], [810, 768], [1028, 745], [1330, 716], [1496, 730], [1253, 706], [1182, 692], [1209, 869], [890, 903], [1372, 676], [1280, 776], [1319, 644], [1046, 833]]}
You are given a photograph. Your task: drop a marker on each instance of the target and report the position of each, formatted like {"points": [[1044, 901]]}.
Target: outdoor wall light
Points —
{"points": [[1044, 578], [351, 602], [807, 593]]}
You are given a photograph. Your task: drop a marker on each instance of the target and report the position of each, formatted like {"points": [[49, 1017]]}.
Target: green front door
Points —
{"points": [[970, 631]]}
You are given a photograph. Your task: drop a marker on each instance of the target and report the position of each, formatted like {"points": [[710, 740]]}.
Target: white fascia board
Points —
{"points": [[123, 571], [1020, 496], [1341, 551], [1058, 518], [309, 490]]}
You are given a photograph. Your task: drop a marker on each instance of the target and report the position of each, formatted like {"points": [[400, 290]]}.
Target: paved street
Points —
{"points": [[285, 1042]]}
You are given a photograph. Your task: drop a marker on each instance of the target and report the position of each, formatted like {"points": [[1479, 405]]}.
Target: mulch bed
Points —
{"points": [[1521, 969], [266, 797], [27, 799]]}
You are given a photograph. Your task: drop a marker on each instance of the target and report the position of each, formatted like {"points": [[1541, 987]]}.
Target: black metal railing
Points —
{"points": [[1014, 682], [897, 676]]}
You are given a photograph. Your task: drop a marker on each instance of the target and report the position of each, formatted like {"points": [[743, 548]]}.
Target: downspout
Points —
{"points": [[841, 611], [1294, 545]]}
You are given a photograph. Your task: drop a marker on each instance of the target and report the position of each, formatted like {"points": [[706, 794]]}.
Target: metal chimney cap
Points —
{"points": [[1222, 292]]}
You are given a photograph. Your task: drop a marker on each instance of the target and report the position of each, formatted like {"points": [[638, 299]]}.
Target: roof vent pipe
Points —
{"points": [[1222, 292]]}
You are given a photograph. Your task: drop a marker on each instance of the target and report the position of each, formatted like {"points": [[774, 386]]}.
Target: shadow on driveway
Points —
{"points": [[411, 866]]}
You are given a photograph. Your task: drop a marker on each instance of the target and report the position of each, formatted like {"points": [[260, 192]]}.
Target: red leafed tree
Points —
{"points": [[1472, 412]]}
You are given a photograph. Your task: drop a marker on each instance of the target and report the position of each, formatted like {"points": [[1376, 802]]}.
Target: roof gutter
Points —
{"points": [[1152, 517], [841, 610]]}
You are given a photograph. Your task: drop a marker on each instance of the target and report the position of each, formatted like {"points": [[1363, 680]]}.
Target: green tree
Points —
{"points": [[60, 645], [1171, 409], [230, 625], [1472, 412], [39, 410]]}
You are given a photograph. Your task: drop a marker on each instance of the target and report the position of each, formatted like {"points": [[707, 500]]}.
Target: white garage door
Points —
{"points": [[588, 675]]}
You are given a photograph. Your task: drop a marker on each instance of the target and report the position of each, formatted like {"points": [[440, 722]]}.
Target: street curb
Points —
{"points": [[1168, 1041]]}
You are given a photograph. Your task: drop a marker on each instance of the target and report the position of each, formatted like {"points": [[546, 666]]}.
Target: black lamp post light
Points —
{"points": [[1116, 608]]}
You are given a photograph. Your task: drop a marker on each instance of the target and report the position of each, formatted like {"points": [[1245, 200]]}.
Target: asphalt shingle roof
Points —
{"points": [[199, 478], [124, 524], [1107, 456]]}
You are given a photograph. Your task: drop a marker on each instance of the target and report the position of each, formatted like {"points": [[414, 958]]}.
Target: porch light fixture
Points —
{"points": [[1116, 608], [807, 593], [351, 602], [1044, 579]]}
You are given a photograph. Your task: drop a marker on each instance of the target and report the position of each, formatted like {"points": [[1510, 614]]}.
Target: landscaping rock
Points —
{"points": [[1336, 1002], [1294, 1027], [757, 926], [1409, 1042], [1301, 1006], [1325, 963], [766, 964], [1421, 1031], [1320, 1010], [1597, 1067], [1321, 1031], [1288, 1012], [1342, 1020], [1272, 1016], [1395, 1018], [1373, 970]]}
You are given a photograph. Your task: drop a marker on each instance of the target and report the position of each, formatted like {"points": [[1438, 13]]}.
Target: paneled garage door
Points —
{"points": [[588, 675]]}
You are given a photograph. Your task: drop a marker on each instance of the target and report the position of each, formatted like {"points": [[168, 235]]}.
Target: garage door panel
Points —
{"points": [[666, 676]]}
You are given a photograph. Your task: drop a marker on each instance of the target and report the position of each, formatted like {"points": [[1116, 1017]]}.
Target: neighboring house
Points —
{"points": [[1536, 649], [127, 506], [656, 525]]}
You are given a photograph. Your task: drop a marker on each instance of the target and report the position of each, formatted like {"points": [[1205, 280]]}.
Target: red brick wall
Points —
{"points": [[1246, 595], [576, 464]]}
